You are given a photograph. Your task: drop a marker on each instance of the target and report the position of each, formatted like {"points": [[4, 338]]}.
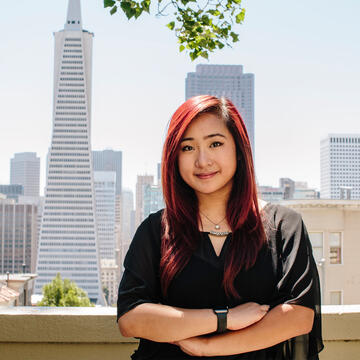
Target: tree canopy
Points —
{"points": [[200, 26], [63, 293]]}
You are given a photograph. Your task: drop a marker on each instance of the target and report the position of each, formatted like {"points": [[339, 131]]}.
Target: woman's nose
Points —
{"points": [[203, 159]]}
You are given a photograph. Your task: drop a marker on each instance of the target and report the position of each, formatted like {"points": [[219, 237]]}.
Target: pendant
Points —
{"points": [[219, 233], [217, 227]]}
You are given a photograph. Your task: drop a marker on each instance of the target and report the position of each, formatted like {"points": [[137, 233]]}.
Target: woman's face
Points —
{"points": [[207, 156]]}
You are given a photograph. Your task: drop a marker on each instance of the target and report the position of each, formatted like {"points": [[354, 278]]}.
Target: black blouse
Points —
{"points": [[284, 272]]}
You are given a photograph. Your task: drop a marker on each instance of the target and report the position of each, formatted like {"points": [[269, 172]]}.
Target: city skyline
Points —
{"points": [[306, 82]]}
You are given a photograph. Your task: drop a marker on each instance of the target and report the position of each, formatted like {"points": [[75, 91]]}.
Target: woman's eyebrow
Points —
{"points": [[205, 137], [213, 135]]}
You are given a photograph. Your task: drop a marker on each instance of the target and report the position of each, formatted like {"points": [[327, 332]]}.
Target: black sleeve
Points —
{"points": [[140, 282], [299, 281]]}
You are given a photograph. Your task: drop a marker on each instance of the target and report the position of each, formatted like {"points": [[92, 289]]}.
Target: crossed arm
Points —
{"points": [[252, 327]]}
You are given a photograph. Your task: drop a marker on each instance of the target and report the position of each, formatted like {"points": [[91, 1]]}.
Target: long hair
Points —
{"points": [[180, 219]]}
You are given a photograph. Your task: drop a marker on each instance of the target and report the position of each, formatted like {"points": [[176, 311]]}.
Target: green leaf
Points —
{"points": [[113, 10], [138, 12], [235, 37], [181, 48], [146, 5], [109, 3], [204, 54], [214, 12], [171, 25], [127, 9], [240, 16]]}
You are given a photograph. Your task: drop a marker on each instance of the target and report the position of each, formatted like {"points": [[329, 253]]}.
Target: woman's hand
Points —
{"points": [[195, 346], [244, 315]]}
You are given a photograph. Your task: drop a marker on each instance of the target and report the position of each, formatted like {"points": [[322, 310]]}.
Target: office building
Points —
{"points": [[110, 280], [153, 199], [109, 160], [18, 236], [229, 81], [68, 237], [333, 227], [288, 190], [105, 182], [340, 166], [142, 181], [25, 170], [12, 191]]}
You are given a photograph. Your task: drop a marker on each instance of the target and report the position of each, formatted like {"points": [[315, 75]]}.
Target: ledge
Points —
{"points": [[92, 333]]}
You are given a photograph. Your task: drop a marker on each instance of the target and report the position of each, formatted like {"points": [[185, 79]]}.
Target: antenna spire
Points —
{"points": [[73, 19]]}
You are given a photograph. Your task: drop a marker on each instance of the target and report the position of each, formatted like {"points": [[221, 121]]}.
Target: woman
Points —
{"points": [[217, 273]]}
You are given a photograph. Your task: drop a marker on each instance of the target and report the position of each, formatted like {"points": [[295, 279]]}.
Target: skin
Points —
{"points": [[207, 163]]}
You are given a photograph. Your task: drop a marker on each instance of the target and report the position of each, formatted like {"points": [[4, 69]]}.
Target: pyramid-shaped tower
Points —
{"points": [[68, 238]]}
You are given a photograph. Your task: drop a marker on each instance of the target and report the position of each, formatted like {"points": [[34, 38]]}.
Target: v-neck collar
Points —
{"points": [[212, 249]]}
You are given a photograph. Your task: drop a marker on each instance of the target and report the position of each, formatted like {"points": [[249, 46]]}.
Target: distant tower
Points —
{"points": [[105, 212], [18, 235], [340, 167], [25, 170], [142, 181], [229, 81], [109, 160], [68, 238]]}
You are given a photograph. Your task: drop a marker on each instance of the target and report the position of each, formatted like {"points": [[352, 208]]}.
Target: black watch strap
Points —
{"points": [[221, 319]]}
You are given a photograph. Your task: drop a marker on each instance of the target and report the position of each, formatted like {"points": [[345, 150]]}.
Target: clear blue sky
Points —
{"points": [[305, 56]]}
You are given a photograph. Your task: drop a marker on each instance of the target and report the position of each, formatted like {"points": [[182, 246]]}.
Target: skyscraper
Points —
{"points": [[109, 160], [142, 181], [105, 212], [229, 81], [25, 170], [18, 235], [153, 199], [12, 191], [68, 237], [340, 166]]}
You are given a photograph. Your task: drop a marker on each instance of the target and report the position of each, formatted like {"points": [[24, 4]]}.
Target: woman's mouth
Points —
{"points": [[204, 176]]}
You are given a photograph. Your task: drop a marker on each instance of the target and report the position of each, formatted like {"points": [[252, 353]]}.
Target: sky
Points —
{"points": [[305, 56]]}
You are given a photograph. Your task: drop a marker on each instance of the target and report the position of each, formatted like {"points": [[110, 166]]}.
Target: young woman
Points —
{"points": [[217, 273]]}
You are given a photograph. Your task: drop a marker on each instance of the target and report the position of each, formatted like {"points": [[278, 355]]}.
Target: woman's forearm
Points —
{"points": [[164, 323], [283, 322]]}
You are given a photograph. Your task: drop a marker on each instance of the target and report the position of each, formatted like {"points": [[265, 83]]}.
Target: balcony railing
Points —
{"points": [[40, 333]]}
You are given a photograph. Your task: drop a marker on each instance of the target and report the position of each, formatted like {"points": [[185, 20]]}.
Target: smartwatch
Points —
{"points": [[221, 319]]}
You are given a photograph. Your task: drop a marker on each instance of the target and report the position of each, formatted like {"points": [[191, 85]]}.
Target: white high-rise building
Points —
{"points": [[105, 187], [25, 170], [340, 166], [229, 81], [68, 236]]}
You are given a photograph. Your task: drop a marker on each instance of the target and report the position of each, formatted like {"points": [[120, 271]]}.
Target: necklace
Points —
{"points": [[219, 233], [217, 227]]}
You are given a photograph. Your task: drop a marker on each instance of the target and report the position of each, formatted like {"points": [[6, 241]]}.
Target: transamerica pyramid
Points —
{"points": [[68, 239]]}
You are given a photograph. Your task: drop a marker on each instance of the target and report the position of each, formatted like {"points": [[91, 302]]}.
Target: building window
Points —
{"points": [[316, 239], [335, 248], [335, 297]]}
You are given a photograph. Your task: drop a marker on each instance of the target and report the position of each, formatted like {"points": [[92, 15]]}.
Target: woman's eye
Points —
{"points": [[186, 148], [216, 144]]}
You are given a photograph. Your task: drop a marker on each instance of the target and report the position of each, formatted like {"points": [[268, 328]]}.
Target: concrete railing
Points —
{"points": [[39, 333]]}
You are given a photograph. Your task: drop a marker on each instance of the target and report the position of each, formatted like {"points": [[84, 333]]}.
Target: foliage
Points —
{"points": [[63, 293], [200, 26]]}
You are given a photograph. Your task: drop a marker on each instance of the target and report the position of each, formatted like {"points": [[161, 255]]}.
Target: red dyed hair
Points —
{"points": [[180, 218]]}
